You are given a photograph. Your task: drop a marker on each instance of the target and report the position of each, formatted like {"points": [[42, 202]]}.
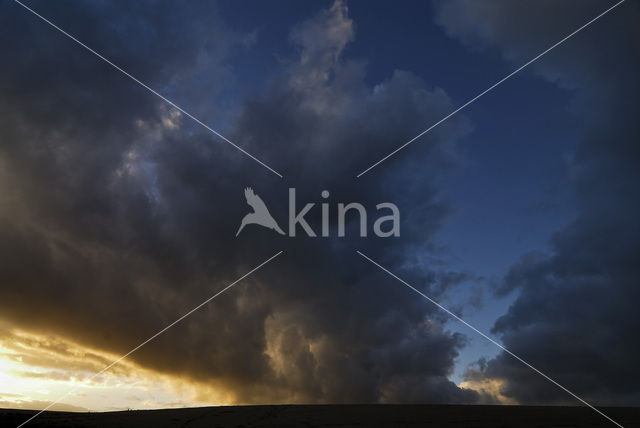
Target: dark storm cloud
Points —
{"points": [[118, 215], [576, 316]]}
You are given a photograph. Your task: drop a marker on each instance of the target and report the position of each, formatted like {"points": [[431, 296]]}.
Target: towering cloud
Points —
{"points": [[118, 214]]}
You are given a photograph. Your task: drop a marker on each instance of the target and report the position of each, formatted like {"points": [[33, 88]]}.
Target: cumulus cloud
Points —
{"points": [[117, 215], [575, 316]]}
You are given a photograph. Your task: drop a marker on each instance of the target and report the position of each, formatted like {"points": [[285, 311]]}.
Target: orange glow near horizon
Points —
{"points": [[36, 370]]}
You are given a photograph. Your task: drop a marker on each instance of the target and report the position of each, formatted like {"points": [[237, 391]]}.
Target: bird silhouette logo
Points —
{"points": [[260, 214]]}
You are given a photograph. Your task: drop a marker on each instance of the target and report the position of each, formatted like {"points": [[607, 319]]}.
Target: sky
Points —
{"points": [[119, 213]]}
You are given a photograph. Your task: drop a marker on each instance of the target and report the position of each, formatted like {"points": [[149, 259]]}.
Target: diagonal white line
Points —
{"points": [[488, 338], [540, 55], [153, 91], [154, 336]]}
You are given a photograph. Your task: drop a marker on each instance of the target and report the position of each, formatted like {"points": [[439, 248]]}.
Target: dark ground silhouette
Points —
{"points": [[344, 416]]}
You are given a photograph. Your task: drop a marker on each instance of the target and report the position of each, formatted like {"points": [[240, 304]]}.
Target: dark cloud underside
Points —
{"points": [[117, 214]]}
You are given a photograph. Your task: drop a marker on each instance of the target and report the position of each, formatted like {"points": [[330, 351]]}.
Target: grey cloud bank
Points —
{"points": [[115, 210]]}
